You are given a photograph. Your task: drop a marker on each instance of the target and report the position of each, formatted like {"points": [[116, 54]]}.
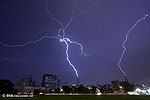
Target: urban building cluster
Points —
{"points": [[52, 84], [27, 85]]}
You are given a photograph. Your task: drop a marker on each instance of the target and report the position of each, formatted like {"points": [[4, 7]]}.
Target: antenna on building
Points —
{"points": [[125, 78], [78, 82]]}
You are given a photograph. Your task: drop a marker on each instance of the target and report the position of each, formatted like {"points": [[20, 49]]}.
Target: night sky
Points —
{"points": [[101, 30]]}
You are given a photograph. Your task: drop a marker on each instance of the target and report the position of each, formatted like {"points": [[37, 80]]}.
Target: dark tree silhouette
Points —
{"points": [[6, 86], [127, 86], [67, 89]]}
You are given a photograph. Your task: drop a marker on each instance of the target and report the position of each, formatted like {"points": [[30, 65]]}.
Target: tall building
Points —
{"points": [[98, 85], [26, 82], [27, 85], [30, 80], [50, 81]]}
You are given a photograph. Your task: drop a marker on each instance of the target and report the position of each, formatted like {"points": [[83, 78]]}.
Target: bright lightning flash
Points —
{"points": [[59, 37], [124, 42]]}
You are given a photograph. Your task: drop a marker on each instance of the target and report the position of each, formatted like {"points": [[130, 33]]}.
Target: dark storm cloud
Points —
{"points": [[101, 30]]}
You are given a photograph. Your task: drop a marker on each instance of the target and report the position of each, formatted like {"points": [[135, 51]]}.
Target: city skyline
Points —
{"points": [[101, 31]]}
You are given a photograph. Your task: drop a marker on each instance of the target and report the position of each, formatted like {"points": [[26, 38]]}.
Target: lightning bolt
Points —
{"points": [[64, 28], [62, 37], [124, 42], [27, 43]]}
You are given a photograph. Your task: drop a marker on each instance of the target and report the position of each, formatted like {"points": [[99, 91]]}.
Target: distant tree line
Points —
{"points": [[122, 87], [6, 86], [67, 89]]}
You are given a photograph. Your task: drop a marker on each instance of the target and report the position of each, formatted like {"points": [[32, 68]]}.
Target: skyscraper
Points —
{"points": [[30, 80], [98, 85], [50, 81]]}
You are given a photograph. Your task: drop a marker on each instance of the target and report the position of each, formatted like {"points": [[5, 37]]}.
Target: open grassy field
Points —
{"points": [[83, 97]]}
